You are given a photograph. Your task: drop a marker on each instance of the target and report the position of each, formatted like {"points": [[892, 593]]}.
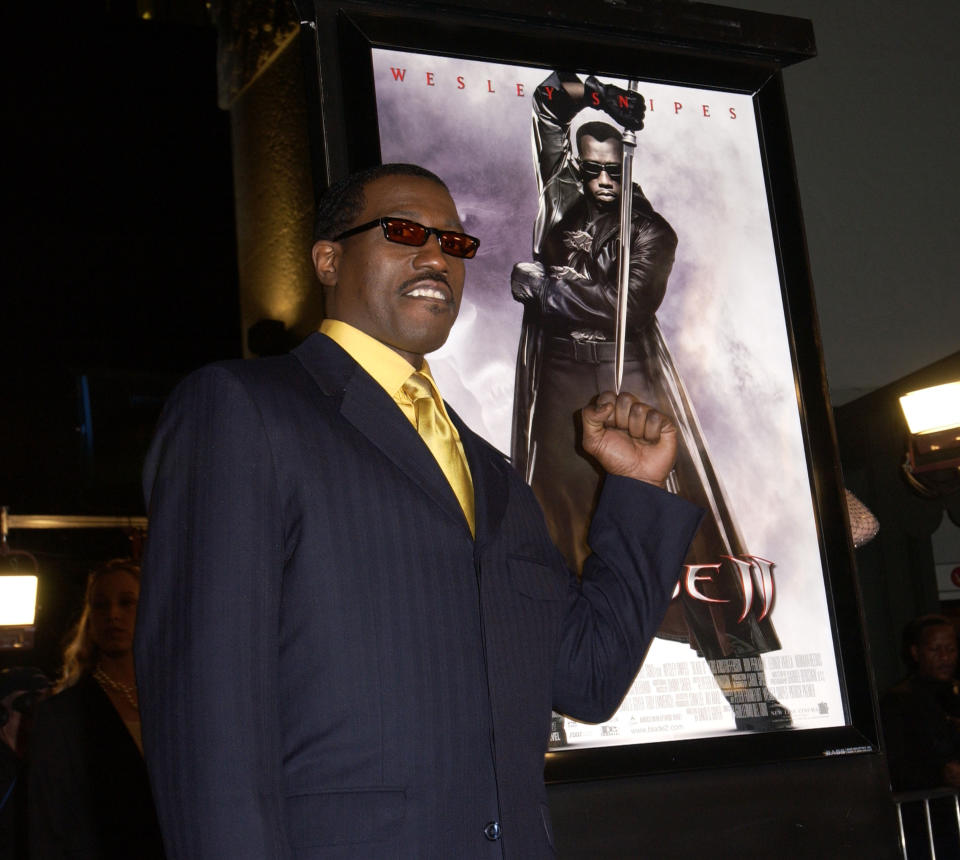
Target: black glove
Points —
{"points": [[626, 107], [527, 281]]}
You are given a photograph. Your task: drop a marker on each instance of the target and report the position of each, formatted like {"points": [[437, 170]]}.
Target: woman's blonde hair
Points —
{"points": [[80, 654]]}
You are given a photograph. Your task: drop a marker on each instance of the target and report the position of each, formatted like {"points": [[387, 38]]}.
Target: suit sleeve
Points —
{"points": [[639, 536], [557, 178], [207, 629]]}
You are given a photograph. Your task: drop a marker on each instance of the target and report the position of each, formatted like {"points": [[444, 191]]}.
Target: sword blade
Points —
{"points": [[626, 222]]}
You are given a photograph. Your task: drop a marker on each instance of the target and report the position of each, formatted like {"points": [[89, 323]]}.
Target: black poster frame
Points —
{"points": [[690, 44]]}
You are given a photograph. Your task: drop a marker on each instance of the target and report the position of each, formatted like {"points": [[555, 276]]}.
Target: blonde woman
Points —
{"points": [[88, 783]]}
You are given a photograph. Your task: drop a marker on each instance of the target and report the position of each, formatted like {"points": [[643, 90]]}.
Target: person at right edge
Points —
{"points": [[921, 726], [567, 349], [921, 713]]}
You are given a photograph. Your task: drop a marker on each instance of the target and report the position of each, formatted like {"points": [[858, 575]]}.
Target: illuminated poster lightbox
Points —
{"points": [[698, 163]]}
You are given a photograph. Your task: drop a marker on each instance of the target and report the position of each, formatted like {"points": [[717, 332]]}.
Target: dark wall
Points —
{"points": [[120, 258], [120, 268]]}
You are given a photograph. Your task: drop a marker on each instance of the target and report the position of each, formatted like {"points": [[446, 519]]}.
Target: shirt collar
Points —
{"points": [[389, 369]]}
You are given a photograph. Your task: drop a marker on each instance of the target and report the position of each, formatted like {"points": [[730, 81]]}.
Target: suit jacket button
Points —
{"points": [[492, 831]]}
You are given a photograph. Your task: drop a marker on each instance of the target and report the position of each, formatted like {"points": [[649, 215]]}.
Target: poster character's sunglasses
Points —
{"points": [[405, 232], [592, 169]]}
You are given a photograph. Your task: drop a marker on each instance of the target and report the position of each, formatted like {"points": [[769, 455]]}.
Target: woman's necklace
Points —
{"points": [[129, 691]]}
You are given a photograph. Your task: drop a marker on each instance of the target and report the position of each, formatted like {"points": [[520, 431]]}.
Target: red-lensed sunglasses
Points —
{"points": [[405, 232]]}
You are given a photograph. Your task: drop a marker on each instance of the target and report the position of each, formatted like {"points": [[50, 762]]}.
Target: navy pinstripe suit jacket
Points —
{"points": [[330, 666]]}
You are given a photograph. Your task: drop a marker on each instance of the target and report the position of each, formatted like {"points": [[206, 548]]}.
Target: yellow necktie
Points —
{"points": [[441, 438]]}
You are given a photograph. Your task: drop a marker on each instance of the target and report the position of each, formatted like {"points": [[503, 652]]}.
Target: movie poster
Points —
{"points": [[722, 321]]}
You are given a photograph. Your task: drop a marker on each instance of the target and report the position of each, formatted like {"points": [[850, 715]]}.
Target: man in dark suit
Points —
{"points": [[349, 643]]}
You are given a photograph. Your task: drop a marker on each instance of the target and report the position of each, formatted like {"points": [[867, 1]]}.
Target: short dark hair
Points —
{"points": [[913, 634], [601, 131], [343, 201]]}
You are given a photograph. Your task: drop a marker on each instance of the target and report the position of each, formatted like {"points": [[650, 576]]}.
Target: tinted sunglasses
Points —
{"points": [[405, 232], [592, 169]]}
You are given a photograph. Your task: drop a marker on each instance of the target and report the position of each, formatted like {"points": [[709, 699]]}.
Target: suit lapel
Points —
{"points": [[374, 415]]}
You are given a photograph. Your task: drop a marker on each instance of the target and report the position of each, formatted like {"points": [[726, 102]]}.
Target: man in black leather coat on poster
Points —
{"points": [[567, 350]]}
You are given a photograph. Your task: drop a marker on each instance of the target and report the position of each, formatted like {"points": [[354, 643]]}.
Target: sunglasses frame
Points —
{"points": [[383, 222]]}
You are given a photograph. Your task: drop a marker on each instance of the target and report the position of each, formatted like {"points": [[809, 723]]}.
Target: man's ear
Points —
{"points": [[915, 653], [326, 261]]}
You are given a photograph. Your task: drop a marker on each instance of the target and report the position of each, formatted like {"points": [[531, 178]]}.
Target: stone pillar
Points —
{"points": [[261, 83]]}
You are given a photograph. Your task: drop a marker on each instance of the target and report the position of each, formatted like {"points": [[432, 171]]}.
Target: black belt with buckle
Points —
{"points": [[592, 351]]}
